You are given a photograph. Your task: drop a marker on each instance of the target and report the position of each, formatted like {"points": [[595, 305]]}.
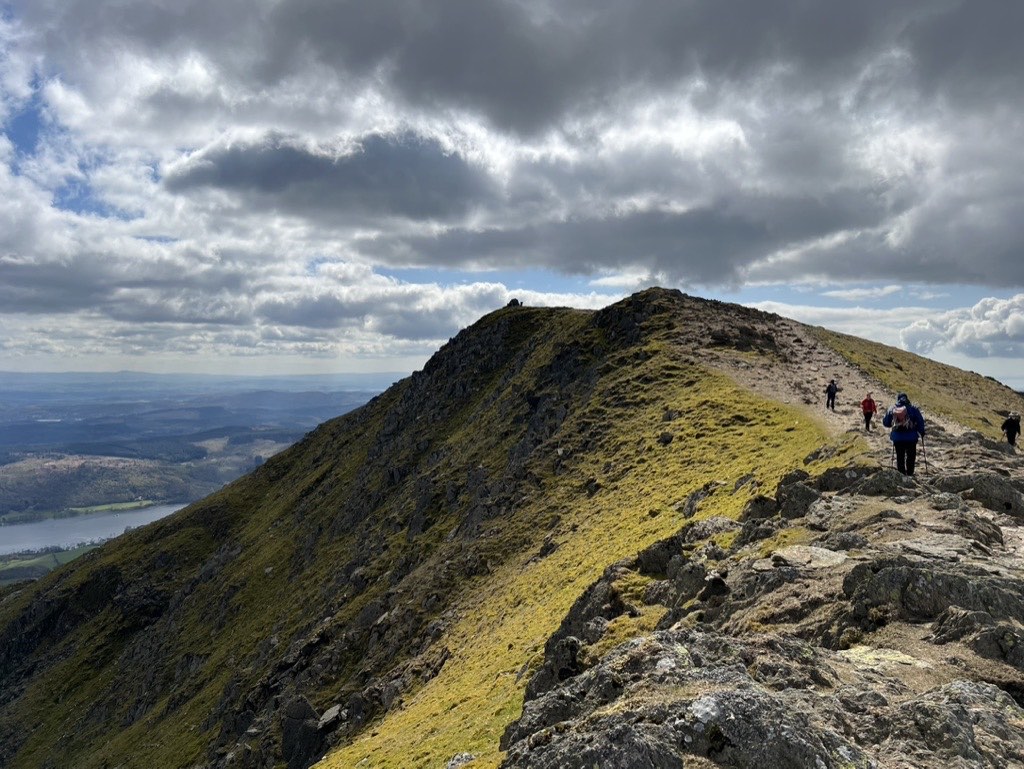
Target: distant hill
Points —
{"points": [[70, 441], [631, 537]]}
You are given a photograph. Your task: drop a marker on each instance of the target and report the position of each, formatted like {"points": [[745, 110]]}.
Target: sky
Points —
{"points": [[310, 186]]}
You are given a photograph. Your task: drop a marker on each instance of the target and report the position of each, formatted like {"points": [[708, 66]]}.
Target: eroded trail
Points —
{"points": [[797, 372]]}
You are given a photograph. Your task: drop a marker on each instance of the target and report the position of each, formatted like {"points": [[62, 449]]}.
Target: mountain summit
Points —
{"points": [[631, 537]]}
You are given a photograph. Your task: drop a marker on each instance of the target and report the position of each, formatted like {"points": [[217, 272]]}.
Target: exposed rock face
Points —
{"points": [[895, 639], [662, 700], [301, 740]]}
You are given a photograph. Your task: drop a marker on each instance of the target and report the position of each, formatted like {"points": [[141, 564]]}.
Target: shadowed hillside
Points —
{"points": [[421, 582]]}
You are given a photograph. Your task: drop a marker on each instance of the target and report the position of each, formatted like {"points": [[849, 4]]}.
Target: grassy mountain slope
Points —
{"points": [[408, 561]]}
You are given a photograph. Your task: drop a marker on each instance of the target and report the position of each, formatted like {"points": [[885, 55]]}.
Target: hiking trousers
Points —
{"points": [[867, 419], [906, 456]]}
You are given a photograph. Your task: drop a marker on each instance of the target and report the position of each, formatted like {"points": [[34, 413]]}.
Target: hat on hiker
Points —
{"points": [[902, 399]]}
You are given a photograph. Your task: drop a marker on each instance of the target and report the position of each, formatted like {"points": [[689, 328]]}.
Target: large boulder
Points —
{"points": [[996, 492], [302, 742]]}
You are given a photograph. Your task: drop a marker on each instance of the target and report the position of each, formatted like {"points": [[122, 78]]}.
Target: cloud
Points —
{"points": [[405, 175], [862, 294], [230, 173], [991, 328], [713, 244], [878, 325]]}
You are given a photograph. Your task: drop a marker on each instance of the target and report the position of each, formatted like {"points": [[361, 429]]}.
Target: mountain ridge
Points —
{"points": [[383, 590]]}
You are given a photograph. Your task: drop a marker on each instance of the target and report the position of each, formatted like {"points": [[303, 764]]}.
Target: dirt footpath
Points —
{"points": [[799, 371]]}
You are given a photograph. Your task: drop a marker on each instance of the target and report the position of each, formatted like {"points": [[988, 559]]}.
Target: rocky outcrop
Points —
{"points": [[665, 699], [893, 639]]}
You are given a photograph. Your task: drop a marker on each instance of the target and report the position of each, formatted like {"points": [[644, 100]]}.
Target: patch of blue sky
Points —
{"points": [[314, 264], [546, 281], [24, 129], [78, 197]]}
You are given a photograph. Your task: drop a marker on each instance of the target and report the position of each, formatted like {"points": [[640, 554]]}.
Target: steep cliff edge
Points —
{"points": [[383, 592]]}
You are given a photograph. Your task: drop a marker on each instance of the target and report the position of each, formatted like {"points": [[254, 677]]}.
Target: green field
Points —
{"points": [[16, 568], [116, 507]]}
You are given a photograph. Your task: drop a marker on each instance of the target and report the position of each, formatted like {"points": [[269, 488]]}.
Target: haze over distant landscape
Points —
{"points": [[77, 445], [304, 186]]}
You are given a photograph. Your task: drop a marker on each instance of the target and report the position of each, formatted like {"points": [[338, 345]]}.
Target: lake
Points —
{"points": [[70, 532]]}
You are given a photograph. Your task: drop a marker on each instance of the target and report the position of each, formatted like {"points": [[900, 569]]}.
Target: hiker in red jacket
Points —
{"points": [[870, 409]]}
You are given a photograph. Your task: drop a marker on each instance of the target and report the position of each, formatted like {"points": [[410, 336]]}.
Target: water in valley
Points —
{"points": [[70, 532]]}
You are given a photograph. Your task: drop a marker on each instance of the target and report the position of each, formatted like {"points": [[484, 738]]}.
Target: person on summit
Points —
{"points": [[870, 408], [830, 394], [907, 425], [1012, 428]]}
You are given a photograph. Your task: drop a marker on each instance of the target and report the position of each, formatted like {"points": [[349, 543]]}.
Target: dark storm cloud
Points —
{"points": [[527, 65], [40, 288], [385, 175], [484, 57], [143, 289], [325, 311], [706, 245], [970, 50], [71, 26], [177, 306]]}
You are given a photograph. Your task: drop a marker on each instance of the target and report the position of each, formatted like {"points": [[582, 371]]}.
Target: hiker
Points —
{"points": [[830, 394], [1012, 428], [907, 425], [869, 408]]}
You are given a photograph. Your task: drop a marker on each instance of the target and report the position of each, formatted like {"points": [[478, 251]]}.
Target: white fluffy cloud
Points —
{"points": [[991, 328]]}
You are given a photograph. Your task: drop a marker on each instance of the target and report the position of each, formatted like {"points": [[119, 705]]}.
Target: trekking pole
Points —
{"points": [[924, 456]]}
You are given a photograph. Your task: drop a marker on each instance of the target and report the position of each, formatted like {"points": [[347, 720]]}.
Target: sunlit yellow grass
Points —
{"points": [[505, 621]]}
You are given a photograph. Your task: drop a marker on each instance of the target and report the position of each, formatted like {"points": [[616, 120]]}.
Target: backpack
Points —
{"points": [[901, 419]]}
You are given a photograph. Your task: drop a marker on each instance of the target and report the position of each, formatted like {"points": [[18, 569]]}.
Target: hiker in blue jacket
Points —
{"points": [[906, 425]]}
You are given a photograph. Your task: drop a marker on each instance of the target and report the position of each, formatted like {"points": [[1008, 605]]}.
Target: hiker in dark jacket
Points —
{"points": [[1012, 428], [869, 408], [830, 394], [907, 425]]}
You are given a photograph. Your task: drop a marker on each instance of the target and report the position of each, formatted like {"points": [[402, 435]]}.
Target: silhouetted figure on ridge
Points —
{"points": [[1012, 428], [907, 425]]}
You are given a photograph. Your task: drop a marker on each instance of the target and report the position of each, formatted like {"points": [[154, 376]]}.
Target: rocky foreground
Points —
{"points": [[889, 636]]}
